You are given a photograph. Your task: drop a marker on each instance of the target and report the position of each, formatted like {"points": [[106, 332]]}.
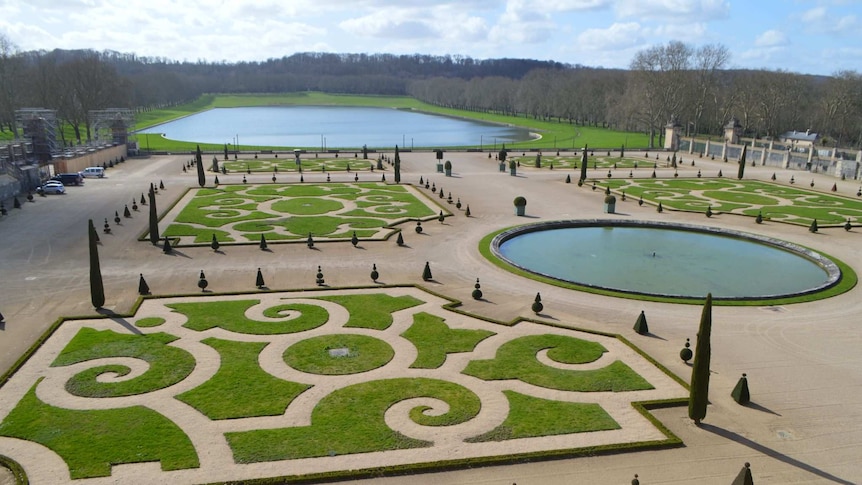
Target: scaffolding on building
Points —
{"points": [[40, 130], [112, 125]]}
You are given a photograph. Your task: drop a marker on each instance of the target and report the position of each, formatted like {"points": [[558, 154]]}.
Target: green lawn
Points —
{"points": [[435, 340], [230, 315], [279, 165], [279, 212], [372, 311], [554, 135], [338, 354]]}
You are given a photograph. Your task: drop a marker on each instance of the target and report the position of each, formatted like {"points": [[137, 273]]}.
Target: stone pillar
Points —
{"points": [[691, 145], [672, 133], [706, 148], [763, 152], [786, 162]]}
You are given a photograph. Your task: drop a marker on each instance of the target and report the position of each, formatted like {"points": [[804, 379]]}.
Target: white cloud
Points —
{"points": [[819, 20], [677, 11], [617, 36], [771, 38]]}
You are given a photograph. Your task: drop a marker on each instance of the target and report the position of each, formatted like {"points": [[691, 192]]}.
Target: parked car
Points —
{"points": [[52, 187], [69, 178], [98, 172]]}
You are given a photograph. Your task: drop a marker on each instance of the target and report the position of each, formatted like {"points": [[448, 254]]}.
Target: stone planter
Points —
{"points": [[448, 172], [502, 166], [513, 171], [520, 210], [439, 168]]}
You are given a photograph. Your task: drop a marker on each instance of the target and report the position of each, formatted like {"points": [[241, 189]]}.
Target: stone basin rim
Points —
{"points": [[832, 270]]}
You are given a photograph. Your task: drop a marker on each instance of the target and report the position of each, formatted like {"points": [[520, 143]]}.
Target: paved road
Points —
{"points": [[803, 360]]}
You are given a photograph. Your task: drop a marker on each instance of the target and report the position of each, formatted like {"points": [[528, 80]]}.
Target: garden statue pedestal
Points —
{"points": [[610, 204], [439, 167]]}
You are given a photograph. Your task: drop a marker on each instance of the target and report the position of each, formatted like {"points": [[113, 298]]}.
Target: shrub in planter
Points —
{"points": [[520, 205]]}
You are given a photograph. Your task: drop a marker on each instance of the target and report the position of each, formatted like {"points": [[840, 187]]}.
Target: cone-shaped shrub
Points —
{"points": [[759, 218], [441, 217], [126, 213], [686, 354], [143, 287], [719, 174], [154, 220], [161, 185], [741, 170], [167, 246], [709, 211], [584, 165], [477, 292], [568, 179], [259, 280], [202, 180], [421, 181], [641, 326], [699, 393], [426, 273], [537, 306], [374, 273], [467, 212], [263, 244], [744, 477], [400, 240], [214, 244], [740, 393], [215, 180], [97, 289], [310, 241], [397, 166], [813, 226], [834, 187], [659, 208], [847, 225]]}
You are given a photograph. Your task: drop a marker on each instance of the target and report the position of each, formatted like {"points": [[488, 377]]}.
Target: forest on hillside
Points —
{"points": [[690, 84]]}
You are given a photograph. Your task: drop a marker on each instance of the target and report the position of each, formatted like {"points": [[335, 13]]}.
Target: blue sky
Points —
{"points": [[814, 36]]}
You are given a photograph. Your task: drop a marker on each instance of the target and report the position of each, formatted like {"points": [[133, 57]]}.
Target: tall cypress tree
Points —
{"points": [[154, 218], [97, 289], [200, 166], [741, 163], [397, 166], [584, 165], [699, 395]]}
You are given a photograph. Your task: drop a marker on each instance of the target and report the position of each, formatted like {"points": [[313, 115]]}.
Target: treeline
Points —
{"points": [[691, 85]]}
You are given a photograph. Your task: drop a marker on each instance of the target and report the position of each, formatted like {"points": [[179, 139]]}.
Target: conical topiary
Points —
{"points": [[740, 393], [686, 354], [759, 218], [143, 287], [400, 240], [744, 477], [202, 180], [741, 170], [467, 212], [441, 217], [154, 219], [166, 248], [641, 326], [426, 273], [202, 281], [568, 179], [263, 245], [374, 273], [126, 213], [259, 280], [477, 292], [354, 240], [813, 226], [214, 244], [97, 289], [709, 211], [659, 208], [699, 391], [537, 306]]}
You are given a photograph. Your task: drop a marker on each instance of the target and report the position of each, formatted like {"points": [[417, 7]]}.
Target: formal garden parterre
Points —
{"points": [[318, 383], [291, 212]]}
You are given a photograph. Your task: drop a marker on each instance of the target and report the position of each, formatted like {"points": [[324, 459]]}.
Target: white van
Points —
{"points": [[93, 172]]}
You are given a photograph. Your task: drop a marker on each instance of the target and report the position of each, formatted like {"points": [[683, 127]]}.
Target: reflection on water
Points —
{"points": [[319, 127], [663, 261]]}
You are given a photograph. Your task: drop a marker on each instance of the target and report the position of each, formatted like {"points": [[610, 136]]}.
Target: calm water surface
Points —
{"points": [[319, 127], [663, 261]]}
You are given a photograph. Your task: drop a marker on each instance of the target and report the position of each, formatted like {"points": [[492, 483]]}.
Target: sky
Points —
{"points": [[812, 36]]}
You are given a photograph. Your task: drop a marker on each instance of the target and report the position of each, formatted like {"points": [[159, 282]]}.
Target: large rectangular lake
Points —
{"points": [[319, 127]]}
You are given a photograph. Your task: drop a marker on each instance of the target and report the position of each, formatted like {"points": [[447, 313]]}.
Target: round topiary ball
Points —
{"points": [[520, 201]]}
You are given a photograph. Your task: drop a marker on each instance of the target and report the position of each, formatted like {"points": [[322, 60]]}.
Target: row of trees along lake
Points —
{"points": [[692, 83]]}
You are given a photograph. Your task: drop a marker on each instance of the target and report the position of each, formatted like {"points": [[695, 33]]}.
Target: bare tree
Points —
{"points": [[10, 76]]}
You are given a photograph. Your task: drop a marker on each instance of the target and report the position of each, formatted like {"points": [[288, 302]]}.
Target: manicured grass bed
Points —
{"points": [[372, 311], [516, 359], [339, 354], [167, 365], [91, 441], [530, 417], [287, 163], [350, 420], [230, 315], [242, 213], [435, 340], [240, 388], [746, 197]]}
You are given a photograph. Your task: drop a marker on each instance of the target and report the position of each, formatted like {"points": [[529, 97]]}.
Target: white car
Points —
{"points": [[52, 187]]}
